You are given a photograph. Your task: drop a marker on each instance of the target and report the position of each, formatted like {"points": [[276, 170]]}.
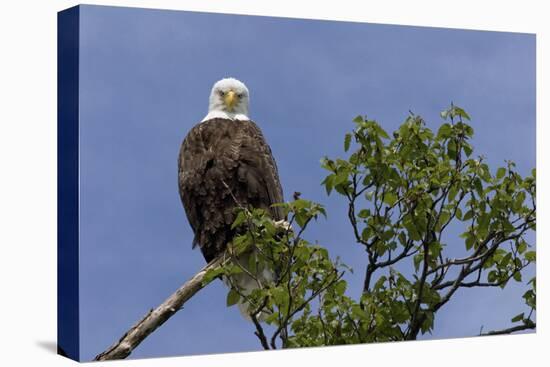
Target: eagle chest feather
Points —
{"points": [[224, 164]]}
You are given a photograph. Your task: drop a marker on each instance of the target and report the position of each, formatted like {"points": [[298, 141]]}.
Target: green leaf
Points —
{"points": [[518, 317], [300, 219], [460, 112], [467, 149], [444, 217], [501, 172], [404, 131], [427, 324], [402, 238], [452, 192], [412, 231], [301, 204], [531, 256], [340, 287], [280, 296], [232, 297], [382, 133], [417, 259], [390, 198], [241, 217], [478, 186], [358, 313], [347, 142], [435, 249], [328, 182], [459, 213], [451, 149], [379, 285], [387, 235], [522, 246], [444, 131], [505, 260], [369, 195], [483, 224], [470, 240], [211, 274], [518, 202]]}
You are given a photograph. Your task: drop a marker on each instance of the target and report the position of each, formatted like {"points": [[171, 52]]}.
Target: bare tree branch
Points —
{"points": [[155, 318], [527, 326], [260, 332]]}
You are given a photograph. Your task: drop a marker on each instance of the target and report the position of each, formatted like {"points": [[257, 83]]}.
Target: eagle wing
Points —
{"points": [[224, 164], [192, 160], [258, 170]]}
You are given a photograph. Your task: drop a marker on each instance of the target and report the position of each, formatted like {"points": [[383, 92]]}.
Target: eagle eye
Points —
{"points": [[221, 93]]}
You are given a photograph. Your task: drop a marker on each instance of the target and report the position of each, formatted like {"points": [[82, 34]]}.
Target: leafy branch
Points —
{"points": [[403, 195]]}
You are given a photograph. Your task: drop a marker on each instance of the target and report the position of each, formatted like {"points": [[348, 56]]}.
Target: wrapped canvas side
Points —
{"points": [[67, 176]]}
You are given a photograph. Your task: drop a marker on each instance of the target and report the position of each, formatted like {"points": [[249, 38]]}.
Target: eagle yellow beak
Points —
{"points": [[231, 100]]}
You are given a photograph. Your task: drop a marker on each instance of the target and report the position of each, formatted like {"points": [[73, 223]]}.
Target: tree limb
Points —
{"points": [[260, 332], [155, 318], [526, 326]]}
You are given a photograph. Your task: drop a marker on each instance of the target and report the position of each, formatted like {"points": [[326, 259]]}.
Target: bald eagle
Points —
{"points": [[225, 162]]}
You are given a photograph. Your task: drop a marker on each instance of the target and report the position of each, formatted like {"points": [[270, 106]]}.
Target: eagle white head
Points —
{"points": [[229, 99]]}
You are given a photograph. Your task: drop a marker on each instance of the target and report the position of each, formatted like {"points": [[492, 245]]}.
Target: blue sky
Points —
{"points": [[145, 80]]}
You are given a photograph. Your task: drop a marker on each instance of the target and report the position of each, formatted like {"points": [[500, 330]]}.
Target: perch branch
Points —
{"points": [[155, 318]]}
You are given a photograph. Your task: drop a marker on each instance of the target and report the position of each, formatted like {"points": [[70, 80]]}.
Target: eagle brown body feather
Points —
{"points": [[223, 164]]}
